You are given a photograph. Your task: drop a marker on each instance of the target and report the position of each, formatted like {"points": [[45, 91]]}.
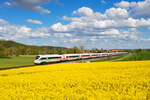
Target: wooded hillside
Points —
{"points": [[11, 48]]}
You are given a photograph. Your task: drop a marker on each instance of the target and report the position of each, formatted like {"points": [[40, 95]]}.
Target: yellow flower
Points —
{"points": [[78, 81]]}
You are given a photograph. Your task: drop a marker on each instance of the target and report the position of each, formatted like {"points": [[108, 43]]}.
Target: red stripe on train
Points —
{"points": [[75, 57]]}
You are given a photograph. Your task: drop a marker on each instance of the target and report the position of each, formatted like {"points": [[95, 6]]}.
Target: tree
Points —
{"points": [[76, 50], [3, 53], [82, 49]]}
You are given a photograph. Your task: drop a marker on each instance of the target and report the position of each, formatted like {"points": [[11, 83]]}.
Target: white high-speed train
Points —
{"points": [[42, 59]]}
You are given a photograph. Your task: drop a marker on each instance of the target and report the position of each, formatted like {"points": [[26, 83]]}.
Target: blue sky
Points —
{"points": [[107, 24]]}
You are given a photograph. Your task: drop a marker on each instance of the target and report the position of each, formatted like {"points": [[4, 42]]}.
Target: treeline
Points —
{"points": [[136, 50], [11, 48]]}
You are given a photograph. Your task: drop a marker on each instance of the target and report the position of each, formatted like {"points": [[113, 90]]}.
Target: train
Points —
{"points": [[43, 59]]}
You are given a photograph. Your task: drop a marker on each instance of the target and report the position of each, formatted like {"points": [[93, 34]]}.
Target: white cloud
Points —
{"points": [[84, 11], [41, 33], [34, 21], [74, 40], [117, 13], [7, 4], [62, 35], [123, 4], [71, 19], [141, 9], [115, 24], [58, 27], [95, 25], [93, 39], [10, 32], [103, 1], [31, 5], [136, 9], [2, 21], [110, 32]]}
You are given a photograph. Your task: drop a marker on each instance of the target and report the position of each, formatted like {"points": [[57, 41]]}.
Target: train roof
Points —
{"points": [[57, 55], [70, 54], [54, 55]]}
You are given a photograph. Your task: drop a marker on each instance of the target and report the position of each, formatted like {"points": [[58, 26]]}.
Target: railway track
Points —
{"points": [[73, 61]]}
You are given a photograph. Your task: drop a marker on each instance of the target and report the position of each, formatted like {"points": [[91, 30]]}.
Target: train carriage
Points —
{"points": [[42, 59], [85, 55], [72, 56]]}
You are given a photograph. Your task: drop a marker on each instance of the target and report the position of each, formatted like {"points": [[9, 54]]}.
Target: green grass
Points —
{"points": [[16, 61], [108, 58], [138, 56]]}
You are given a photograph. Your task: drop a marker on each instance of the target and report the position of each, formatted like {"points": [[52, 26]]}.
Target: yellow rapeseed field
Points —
{"points": [[78, 81]]}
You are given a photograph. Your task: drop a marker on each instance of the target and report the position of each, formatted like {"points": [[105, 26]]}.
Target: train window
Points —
{"points": [[37, 57], [43, 58], [71, 56], [57, 57], [85, 55], [53, 57], [50, 58]]}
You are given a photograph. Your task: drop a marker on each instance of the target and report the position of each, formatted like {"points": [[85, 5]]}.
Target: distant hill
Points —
{"points": [[13, 48]]}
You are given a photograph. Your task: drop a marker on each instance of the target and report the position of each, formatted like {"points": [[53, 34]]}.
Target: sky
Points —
{"points": [[107, 24]]}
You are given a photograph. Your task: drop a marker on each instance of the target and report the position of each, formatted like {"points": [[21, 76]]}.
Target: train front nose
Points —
{"points": [[36, 62]]}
